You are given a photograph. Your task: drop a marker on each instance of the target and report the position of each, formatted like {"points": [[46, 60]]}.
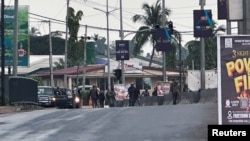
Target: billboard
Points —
{"points": [[122, 49], [233, 79], [162, 37], [163, 88], [23, 36], [121, 91], [203, 23]]}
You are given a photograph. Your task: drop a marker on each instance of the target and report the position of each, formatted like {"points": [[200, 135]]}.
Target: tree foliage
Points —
{"points": [[76, 47], [39, 45], [194, 48]]}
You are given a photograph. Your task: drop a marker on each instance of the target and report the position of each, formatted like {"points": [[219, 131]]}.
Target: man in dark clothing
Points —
{"points": [[132, 92], [93, 94], [110, 95], [145, 93], [154, 92], [174, 89], [57, 91], [101, 98]]}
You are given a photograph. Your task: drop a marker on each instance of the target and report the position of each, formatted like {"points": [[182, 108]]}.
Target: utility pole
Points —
{"points": [[180, 62], [50, 54], [15, 40], [163, 52], [2, 56], [122, 37], [108, 50], [202, 41], [84, 59], [66, 47], [50, 57]]}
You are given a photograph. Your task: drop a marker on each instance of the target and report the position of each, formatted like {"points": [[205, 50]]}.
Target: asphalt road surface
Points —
{"points": [[184, 122]]}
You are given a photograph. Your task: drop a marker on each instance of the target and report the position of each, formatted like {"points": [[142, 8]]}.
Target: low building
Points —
{"points": [[136, 71]]}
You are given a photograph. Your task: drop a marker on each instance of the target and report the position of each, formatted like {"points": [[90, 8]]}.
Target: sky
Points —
{"points": [[95, 15]]}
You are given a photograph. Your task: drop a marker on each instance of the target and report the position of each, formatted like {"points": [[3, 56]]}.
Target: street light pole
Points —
{"points": [[202, 3], [66, 46], [50, 57], [163, 52], [108, 50], [122, 37], [2, 56], [15, 40], [84, 59]]}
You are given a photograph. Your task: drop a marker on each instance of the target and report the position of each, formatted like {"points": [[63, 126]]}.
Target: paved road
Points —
{"points": [[184, 122]]}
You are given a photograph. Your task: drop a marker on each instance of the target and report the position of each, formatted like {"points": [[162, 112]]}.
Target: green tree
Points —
{"points": [[210, 50], [59, 64], [153, 17], [39, 45], [76, 48]]}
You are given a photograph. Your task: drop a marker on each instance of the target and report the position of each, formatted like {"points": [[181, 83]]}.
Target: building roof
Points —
{"points": [[41, 63], [73, 70]]}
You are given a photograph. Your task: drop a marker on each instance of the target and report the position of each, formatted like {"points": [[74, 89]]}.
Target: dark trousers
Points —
{"points": [[175, 95], [94, 102], [101, 104], [131, 102]]}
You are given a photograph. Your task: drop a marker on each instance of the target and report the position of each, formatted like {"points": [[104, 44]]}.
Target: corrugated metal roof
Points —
{"points": [[133, 65]]}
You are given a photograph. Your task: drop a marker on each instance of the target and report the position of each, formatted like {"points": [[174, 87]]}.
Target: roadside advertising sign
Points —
{"points": [[203, 23], [233, 53]]}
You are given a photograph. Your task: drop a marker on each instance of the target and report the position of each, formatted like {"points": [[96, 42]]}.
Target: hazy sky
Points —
{"points": [[182, 14]]}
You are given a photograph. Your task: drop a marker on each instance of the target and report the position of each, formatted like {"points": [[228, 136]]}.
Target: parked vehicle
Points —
{"points": [[67, 99], [46, 96]]}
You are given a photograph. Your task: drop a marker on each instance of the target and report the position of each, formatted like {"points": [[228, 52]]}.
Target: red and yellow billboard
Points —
{"points": [[234, 79]]}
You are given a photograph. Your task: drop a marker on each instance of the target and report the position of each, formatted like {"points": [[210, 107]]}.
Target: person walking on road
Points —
{"points": [[93, 94], [110, 95], [101, 98], [132, 91], [174, 89]]}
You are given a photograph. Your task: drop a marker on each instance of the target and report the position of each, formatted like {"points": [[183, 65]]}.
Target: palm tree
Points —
{"points": [[75, 46], [152, 18]]}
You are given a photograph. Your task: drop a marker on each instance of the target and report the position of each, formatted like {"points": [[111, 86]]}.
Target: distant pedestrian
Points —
{"points": [[154, 93], [110, 95], [145, 93], [57, 91], [93, 94], [174, 89], [132, 92], [101, 98]]}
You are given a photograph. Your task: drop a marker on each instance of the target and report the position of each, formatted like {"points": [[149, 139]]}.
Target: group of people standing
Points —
{"points": [[98, 96]]}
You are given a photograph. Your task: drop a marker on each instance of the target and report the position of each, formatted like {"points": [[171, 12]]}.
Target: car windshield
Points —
{"points": [[45, 91]]}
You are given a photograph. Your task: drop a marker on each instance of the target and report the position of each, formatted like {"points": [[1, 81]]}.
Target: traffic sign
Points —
{"points": [[122, 49]]}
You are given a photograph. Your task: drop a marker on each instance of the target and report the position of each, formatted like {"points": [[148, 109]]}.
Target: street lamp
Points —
{"points": [[108, 50], [50, 55], [66, 46]]}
